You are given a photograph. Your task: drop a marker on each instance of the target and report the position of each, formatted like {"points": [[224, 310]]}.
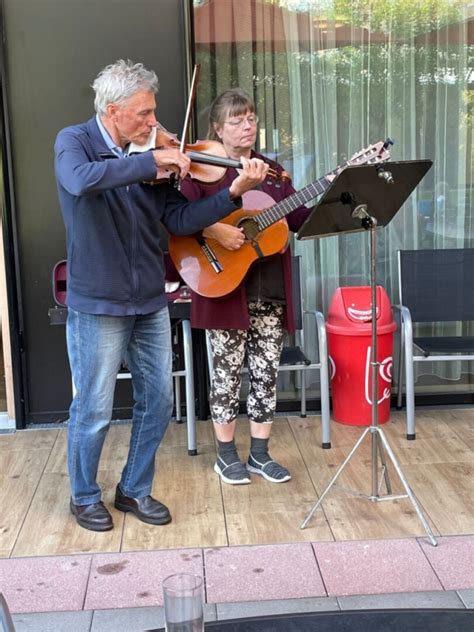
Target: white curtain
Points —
{"points": [[396, 70], [333, 76]]}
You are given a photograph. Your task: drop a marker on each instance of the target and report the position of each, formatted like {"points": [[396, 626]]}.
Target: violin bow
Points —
{"points": [[187, 118]]}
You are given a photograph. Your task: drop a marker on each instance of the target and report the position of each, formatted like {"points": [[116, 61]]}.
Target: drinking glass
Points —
{"points": [[183, 597]]}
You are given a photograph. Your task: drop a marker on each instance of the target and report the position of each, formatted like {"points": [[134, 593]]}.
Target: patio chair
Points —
{"points": [[436, 286], [182, 351], [297, 358]]}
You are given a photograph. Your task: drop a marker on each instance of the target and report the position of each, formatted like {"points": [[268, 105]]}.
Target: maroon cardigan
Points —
{"points": [[231, 311]]}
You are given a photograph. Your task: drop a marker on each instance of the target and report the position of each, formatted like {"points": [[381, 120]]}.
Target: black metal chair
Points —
{"points": [[436, 286], [298, 358]]}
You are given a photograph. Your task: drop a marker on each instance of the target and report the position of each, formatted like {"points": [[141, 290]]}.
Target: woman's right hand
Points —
{"points": [[230, 237]]}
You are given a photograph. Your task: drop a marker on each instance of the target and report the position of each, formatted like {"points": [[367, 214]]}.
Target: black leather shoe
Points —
{"points": [[94, 517], [146, 509]]}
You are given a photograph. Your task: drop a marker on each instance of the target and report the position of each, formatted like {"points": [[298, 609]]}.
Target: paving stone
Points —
{"points": [[467, 597], [435, 599], [452, 561], [134, 580], [256, 573], [79, 621], [280, 606], [137, 619], [374, 566], [45, 584]]}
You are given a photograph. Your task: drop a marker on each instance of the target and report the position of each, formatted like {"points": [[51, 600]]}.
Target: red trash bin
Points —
{"points": [[349, 328]]}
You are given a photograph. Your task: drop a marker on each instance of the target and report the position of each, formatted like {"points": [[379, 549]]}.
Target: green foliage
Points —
{"points": [[394, 16], [398, 16]]}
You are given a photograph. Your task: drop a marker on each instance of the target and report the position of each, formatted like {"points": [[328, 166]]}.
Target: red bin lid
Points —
{"points": [[350, 311]]}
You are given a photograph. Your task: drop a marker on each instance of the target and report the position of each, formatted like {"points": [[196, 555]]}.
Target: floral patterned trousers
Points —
{"points": [[261, 344]]}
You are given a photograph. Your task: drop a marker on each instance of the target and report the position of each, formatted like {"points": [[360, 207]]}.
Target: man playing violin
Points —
{"points": [[252, 319], [117, 307]]}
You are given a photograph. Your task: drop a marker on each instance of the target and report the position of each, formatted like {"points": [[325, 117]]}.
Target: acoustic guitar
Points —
{"points": [[213, 271]]}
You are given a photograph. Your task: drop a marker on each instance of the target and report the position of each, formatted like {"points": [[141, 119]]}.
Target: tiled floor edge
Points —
{"points": [[72, 557]]}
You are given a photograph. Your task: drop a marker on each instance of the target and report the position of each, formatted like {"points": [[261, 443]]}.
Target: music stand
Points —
{"points": [[362, 198]]}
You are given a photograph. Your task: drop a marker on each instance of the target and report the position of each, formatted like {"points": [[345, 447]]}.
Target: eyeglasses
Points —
{"points": [[251, 120]]}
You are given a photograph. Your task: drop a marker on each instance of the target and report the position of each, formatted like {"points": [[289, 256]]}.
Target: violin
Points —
{"points": [[209, 161]]}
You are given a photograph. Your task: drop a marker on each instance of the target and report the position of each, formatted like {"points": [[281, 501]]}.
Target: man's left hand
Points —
{"points": [[253, 172]]}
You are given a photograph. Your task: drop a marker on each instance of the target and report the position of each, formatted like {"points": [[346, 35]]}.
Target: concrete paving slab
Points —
{"points": [[434, 599], [137, 619], [79, 621], [452, 561], [45, 584], [256, 573], [281, 606], [467, 597], [374, 566], [134, 580]]}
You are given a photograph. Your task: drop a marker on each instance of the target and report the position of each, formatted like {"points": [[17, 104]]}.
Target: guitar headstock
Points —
{"points": [[378, 152]]}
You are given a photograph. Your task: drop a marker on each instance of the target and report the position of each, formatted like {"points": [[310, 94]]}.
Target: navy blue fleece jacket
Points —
{"points": [[113, 221]]}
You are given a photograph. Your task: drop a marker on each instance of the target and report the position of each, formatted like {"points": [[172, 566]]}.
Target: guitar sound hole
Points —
{"points": [[250, 227]]}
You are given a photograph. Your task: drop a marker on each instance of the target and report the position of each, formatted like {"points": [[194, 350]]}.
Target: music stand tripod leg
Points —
{"points": [[407, 487], [334, 478], [384, 467]]}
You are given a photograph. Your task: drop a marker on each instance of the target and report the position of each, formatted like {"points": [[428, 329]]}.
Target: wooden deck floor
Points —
{"points": [[34, 492]]}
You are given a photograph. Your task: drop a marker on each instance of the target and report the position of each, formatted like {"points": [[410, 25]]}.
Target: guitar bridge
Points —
{"points": [[210, 256]]}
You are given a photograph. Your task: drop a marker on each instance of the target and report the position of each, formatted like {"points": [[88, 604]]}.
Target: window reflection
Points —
{"points": [[332, 77]]}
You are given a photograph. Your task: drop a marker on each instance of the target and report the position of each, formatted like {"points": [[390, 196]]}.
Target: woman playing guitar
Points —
{"points": [[250, 320]]}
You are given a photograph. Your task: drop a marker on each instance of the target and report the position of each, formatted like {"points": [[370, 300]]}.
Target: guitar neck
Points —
{"points": [[285, 207]]}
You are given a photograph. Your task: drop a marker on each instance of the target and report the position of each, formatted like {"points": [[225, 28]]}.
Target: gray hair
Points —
{"points": [[120, 81]]}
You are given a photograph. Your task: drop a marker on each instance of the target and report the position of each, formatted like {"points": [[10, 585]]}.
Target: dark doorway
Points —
{"points": [[52, 51]]}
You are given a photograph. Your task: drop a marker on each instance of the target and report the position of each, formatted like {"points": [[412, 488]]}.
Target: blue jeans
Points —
{"points": [[97, 345]]}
